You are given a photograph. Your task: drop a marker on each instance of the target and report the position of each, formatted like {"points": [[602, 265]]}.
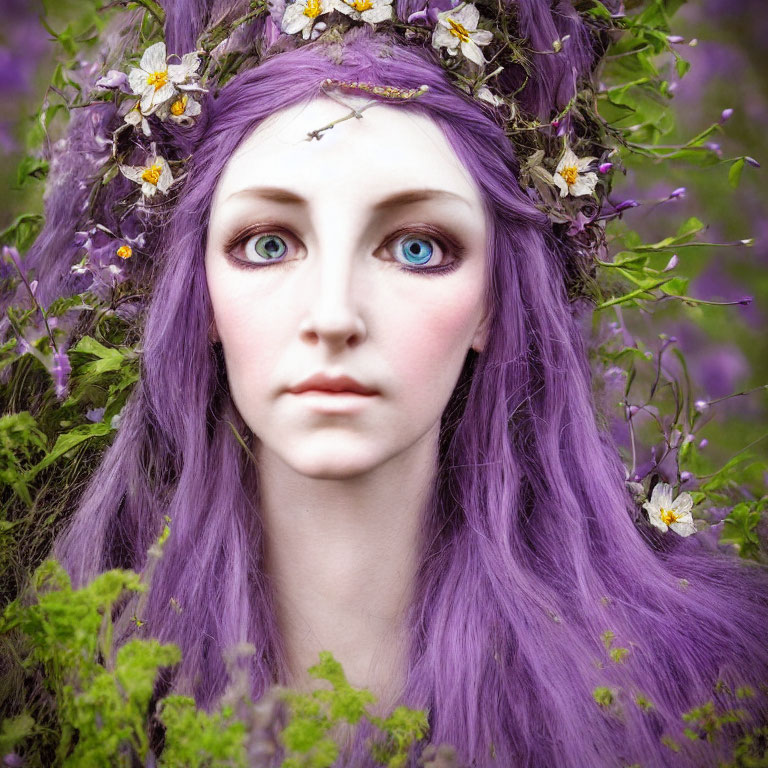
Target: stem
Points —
{"points": [[153, 8], [36, 303]]}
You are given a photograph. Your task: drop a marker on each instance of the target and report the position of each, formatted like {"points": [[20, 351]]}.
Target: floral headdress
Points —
{"points": [[565, 159]]}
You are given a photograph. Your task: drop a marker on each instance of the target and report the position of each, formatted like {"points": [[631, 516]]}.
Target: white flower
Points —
{"points": [[180, 110], [371, 11], [570, 177], [154, 176], [300, 15], [152, 80], [486, 94], [458, 27], [134, 118], [185, 74], [665, 513]]}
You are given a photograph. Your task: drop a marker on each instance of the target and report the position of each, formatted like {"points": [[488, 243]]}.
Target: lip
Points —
{"points": [[323, 384]]}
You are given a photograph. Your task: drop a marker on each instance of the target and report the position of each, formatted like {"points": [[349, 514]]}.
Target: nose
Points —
{"points": [[333, 302]]}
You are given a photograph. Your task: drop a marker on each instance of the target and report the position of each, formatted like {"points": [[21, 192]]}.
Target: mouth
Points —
{"points": [[333, 393], [335, 386]]}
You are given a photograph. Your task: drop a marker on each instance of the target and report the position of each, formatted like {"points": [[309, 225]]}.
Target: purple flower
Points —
{"points": [[428, 14], [726, 115], [95, 414], [60, 372], [677, 193], [675, 39], [701, 406], [627, 204], [751, 161], [605, 167], [703, 443], [671, 264], [114, 79]]}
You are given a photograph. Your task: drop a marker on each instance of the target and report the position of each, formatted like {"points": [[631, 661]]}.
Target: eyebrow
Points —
{"points": [[398, 200]]}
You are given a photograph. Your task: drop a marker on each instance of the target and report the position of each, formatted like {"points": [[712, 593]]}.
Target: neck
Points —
{"points": [[342, 555]]}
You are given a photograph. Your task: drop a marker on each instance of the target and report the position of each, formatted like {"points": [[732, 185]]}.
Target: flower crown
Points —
{"points": [[564, 161]]}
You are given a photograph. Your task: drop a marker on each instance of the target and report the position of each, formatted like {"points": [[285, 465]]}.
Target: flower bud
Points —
{"points": [[726, 114], [671, 264]]}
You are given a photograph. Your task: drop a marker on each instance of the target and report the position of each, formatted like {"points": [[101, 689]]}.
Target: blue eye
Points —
{"points": [[416, 249], [270, 247]]}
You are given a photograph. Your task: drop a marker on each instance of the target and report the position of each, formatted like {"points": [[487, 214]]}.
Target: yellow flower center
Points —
{"points": [[158, 79], [570, 173], [458, 30], [125, 251], [313, 9], [362, 5], [668, 516], [178, 106], [152, 174]]}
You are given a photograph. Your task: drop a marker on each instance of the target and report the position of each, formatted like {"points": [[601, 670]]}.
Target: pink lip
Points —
{"points": [[332, 385]]}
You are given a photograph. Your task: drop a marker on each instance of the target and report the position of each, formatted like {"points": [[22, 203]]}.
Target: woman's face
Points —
{"points": [[361, 255]]}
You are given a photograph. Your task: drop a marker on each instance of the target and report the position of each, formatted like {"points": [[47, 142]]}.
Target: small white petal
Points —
{"points": [[684, 527], [584, 185], [137, 79], [377, 14], [560, 181], [683, 504], [482, 36], [154, 58], [132, 172], [662, 495], [473, 53]]}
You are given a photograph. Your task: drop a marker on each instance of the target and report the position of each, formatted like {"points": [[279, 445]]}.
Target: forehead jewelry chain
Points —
{"points": [[386, 91]]}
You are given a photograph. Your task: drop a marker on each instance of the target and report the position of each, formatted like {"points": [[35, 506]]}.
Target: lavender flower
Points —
{"points": [[60, 372]]}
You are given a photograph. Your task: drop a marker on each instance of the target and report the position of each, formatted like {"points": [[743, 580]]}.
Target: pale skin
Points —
{"points": [[343, 480]]}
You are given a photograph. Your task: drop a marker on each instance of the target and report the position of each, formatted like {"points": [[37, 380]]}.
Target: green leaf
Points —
{"points": [[740, 528], [677, 286], [67, 441], [734, 172]]}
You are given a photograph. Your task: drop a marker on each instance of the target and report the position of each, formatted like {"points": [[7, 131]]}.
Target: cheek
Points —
{"points": [[245, 326], [433, 339]]}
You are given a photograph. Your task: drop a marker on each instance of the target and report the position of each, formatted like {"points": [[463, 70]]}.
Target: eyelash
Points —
{"points": [[447, 244]]}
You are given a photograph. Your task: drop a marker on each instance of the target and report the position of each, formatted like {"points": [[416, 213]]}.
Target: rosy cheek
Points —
{"points": [[433, 341]]}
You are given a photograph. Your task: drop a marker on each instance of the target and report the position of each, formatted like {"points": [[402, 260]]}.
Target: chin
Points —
{"points": [[329, 469]]}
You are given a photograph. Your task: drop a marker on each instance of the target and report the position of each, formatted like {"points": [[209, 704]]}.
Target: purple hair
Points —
{"points": [[532, 547]]}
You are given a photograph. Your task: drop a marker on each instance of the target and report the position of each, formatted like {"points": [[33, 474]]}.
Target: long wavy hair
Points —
{"points": [[532, 546]]}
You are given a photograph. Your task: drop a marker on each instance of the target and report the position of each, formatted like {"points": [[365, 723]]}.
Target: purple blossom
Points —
{"points": [[95, 414], [677, 193], [60, 372], [703, 443], [114, 79], [605, 167], [751, 161], [627, 204], [726, 115], [713, 146], [428, 14], [671, 264], [675, 39]]}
